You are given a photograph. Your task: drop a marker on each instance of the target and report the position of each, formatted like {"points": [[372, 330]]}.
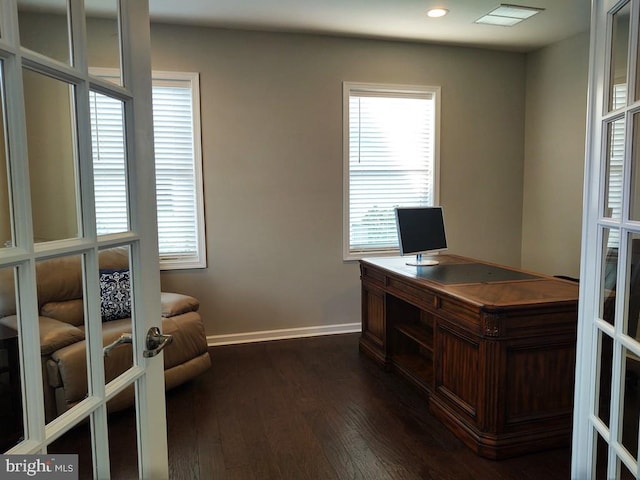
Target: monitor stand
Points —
{"points": [[420, 262]]}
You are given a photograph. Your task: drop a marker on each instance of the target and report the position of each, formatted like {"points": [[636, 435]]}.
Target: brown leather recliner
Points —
{"points": [[62, 333]]}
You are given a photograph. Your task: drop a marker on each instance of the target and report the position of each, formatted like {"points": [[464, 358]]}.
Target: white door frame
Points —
{"points": [[147, 374], [588, 423]]}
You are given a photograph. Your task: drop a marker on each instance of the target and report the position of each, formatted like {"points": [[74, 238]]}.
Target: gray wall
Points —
{"points": [[512, 154], [554, 156], [272, 146]]}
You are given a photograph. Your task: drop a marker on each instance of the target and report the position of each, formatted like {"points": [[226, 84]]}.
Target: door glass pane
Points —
{"points": [[619, 51], [62, 333], [605, 368], [637, 62], [44, 28], [614, 169], [624, 473], [11, 412], [601, 453], [6, 232], [633, 286], [103, 38], [52, 156], [76, 441], [123, 447], [634, 197], [109, 163], [631, 402], [116, 304], [609, 275]]}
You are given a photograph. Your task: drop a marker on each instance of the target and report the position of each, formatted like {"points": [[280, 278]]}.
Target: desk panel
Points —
{"points": [[465, 273]]}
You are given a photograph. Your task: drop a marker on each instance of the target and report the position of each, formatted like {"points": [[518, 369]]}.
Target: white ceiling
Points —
{"points": [[386, 19]]}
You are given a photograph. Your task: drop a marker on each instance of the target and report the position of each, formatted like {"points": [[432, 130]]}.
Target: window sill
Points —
{"points": [[354, 257], [182, 263]]}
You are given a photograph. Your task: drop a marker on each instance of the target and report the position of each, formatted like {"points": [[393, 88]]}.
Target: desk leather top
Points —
{"points": [[483, 283], [465, 273]]}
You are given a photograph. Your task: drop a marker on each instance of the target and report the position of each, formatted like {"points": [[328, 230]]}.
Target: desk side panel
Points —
{"points": [[373, 339], [458, 369], [539, 381]]}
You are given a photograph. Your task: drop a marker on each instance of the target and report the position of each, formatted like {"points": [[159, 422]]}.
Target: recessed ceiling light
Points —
{"points": [[437, 12], [508, 15]]}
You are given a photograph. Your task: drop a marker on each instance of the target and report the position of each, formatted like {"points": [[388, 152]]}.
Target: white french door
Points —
{"points": [[47, 213], [607, 394]]}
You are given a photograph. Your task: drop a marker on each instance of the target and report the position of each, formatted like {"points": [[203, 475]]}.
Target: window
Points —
{"points": [[390, 159], [178, 159], [615, 165]]}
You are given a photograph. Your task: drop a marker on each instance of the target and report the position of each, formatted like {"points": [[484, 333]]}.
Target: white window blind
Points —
{"points": [[175, 170], [108, 148], [616, 164], [178, 168], [390, 156]]}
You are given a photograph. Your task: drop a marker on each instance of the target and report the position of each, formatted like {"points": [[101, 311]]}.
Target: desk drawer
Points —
{"points": [[420, 297], [373, 276], [467, 315]]}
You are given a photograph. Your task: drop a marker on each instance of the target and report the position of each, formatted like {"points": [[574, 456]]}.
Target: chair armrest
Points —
{"points": [[54, 334], [176, 304]]}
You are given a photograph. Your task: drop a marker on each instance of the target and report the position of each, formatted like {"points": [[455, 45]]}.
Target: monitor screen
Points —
{"points": [[420, 229]]}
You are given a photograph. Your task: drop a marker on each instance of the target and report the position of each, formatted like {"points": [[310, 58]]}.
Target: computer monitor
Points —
{"points": [[421, 230]]}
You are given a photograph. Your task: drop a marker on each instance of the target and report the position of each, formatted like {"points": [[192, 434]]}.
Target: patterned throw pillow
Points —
{"points": [[115, 294]]}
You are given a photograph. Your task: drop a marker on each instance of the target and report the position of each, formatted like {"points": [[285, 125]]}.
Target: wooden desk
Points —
{"points": [[491, 347]]}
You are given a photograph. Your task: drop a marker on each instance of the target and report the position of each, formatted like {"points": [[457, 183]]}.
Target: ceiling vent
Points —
{"points": [[508, 15]]}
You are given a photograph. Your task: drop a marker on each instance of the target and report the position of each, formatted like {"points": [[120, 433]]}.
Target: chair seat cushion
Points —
{"points": [[67, 366]]}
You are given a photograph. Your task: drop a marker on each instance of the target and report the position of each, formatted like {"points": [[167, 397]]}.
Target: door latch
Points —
{"points": [[156, 341]]}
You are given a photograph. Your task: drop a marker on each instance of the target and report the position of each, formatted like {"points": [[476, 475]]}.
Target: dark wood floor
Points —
{"points": [[308, 409]]}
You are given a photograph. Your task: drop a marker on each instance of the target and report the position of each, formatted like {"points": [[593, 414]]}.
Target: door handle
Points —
{"points": [[156, 341], [124, 338]]}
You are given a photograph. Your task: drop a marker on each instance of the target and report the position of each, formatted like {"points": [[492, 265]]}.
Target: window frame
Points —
{"points": [[164, 78], [393, 90]]}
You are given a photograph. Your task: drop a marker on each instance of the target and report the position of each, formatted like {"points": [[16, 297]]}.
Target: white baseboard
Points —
{"points": [[250, 337]]}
